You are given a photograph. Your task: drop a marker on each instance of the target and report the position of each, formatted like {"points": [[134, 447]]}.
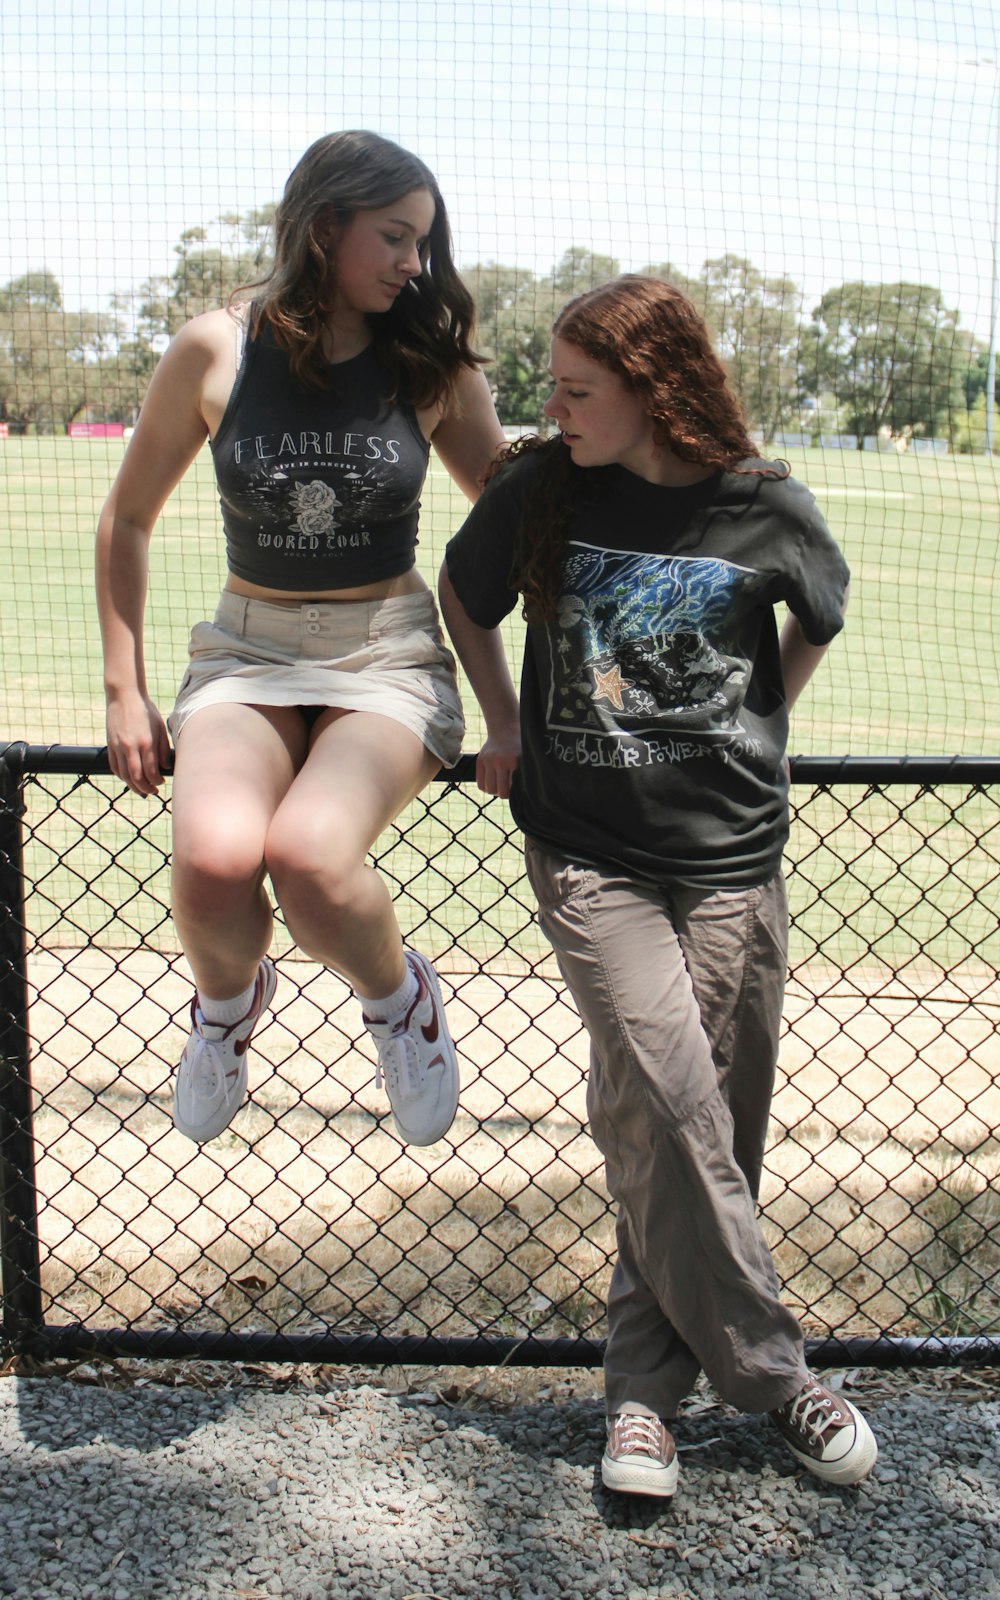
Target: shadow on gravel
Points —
{"points": [[99, 1522], [360, 1492], [727, 1457], [635, 1513], [133, 1419]]}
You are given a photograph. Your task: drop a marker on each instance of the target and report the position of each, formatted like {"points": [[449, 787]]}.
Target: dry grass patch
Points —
{"points": [[308, 1213]]}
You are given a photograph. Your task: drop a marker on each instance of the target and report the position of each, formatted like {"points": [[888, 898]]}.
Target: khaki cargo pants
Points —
{"points": [[680, 991]]}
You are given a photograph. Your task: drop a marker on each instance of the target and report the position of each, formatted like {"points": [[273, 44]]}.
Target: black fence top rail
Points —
{"points": [[92, 760]]}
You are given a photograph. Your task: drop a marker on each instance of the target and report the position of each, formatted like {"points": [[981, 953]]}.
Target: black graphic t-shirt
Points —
{"points": [[318, 489], [653, 713]]}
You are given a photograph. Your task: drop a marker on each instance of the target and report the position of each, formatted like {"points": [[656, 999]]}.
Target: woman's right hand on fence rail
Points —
{"points": [[481, 652], [138, 745], [497, 762]]}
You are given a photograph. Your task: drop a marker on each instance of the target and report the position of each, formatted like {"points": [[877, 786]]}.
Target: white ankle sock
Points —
{"points": [[220, 1013], [391, 1004]]}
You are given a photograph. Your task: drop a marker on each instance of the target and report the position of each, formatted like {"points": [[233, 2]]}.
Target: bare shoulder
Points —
{"points": [[198, 368], [209, 336]]}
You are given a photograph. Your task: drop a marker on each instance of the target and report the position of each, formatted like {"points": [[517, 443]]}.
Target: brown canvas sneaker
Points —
{"points": [[640, 1457], [827, 1434]]}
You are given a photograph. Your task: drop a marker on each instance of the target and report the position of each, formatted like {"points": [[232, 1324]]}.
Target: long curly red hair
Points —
{"points": [[651, 335]]}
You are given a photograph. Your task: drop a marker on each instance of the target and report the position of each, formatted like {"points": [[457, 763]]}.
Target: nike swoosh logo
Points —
{"points": [[431, 1029], [240, 1045]]}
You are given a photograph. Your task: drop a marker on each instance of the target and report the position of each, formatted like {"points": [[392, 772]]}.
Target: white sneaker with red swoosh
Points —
{"points": [[211, 1080], [417, 1061]]}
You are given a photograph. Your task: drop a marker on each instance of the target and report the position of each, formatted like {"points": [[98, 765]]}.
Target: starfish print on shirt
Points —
{"points": [[609, 686]]}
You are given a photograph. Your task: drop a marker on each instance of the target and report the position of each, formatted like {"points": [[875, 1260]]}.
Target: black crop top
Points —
{"points": [[319, 489]]}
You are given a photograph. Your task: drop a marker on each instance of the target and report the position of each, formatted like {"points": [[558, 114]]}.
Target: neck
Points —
{"points": [[671, 472], [347, 334]]}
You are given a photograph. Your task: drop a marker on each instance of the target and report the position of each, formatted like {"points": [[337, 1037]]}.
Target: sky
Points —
{"points": [[852, 139]]}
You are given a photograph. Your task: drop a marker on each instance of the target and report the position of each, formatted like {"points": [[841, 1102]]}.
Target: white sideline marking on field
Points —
{"points": [[868, 494]]}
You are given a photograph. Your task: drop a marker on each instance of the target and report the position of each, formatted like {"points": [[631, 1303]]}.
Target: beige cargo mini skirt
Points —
{"points": [[385, 656]]}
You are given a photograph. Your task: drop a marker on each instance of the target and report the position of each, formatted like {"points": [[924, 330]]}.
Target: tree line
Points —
{"points": [[883, 359]]}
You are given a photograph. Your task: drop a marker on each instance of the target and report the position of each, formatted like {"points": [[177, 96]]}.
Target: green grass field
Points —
{"points": [[914, 673]]}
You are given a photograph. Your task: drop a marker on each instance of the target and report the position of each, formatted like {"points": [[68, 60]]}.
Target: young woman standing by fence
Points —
{"points": [[646, 765]]}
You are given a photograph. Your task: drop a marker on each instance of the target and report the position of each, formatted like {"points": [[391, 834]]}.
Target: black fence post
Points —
{"points": [[19, 1245]]}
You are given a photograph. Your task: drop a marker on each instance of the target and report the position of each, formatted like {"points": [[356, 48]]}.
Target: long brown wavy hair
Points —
{"points": [[652, 336], [424, 339]]}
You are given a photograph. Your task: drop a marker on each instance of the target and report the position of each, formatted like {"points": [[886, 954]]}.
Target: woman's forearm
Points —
{"points": [[122, 558], [484, 659], [799, 659]]}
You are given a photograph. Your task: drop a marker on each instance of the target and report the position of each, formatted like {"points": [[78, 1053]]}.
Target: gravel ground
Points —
{"points": [[193, 1481]]}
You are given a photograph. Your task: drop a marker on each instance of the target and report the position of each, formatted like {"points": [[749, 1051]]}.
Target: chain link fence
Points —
{"points": [[308, 1231]]}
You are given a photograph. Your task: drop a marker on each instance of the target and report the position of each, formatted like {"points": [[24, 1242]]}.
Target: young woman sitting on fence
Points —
{"points": [[321, 699], [646, 766]]}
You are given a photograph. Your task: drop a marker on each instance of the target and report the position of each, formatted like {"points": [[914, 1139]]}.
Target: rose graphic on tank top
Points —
{"points": [[315, 505]]}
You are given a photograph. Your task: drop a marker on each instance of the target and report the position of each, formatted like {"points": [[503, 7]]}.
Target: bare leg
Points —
{"points": [[234, 766], [360, 772]]}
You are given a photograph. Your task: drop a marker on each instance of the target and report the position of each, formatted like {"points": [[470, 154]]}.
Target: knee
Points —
{"points": [[216, 855], [308, 872]]}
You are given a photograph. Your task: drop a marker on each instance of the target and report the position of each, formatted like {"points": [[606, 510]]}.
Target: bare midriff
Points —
{"points": [[406, 583]]}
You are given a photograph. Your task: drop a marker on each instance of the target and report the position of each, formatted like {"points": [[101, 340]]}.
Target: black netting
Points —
{"points": [[308, 1226]]}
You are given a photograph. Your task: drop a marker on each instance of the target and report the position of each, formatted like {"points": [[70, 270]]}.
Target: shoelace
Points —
{"points": [[210, 1065], [636, 1431], [812, 1414], [398, 1072]]}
